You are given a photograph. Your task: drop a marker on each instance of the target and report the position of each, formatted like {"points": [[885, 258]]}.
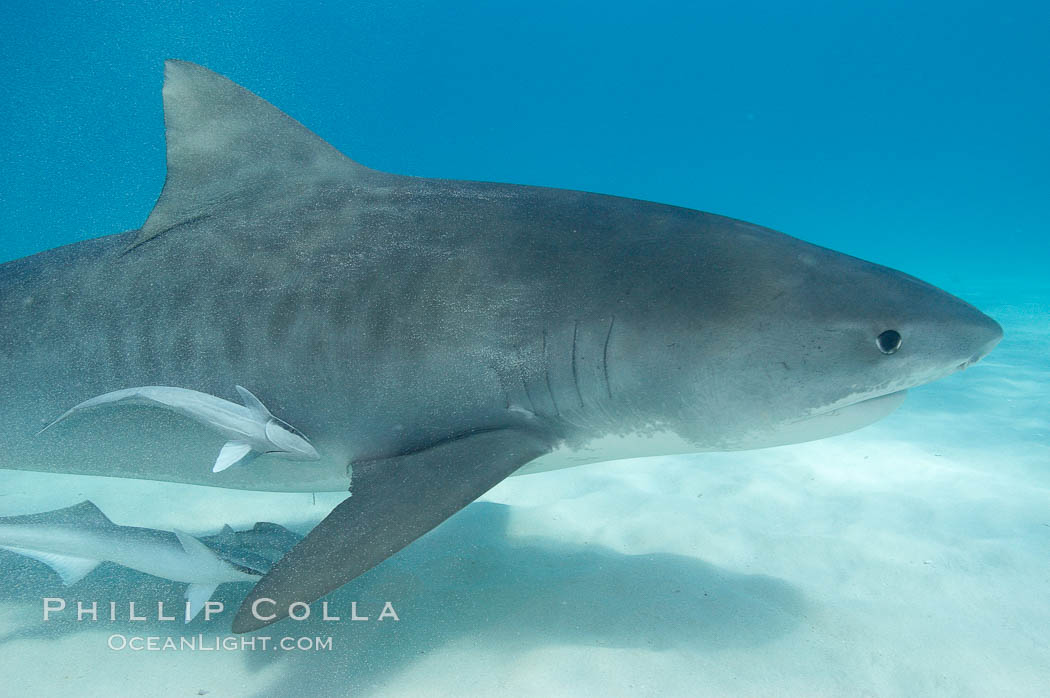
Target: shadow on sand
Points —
{"points": [[464, 580]]}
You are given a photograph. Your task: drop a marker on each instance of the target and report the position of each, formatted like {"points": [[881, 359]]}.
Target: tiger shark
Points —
{"points": [[435, 336]]}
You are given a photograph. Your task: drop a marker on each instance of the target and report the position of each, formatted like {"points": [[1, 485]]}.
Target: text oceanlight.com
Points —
{"points": [[228, 643]]}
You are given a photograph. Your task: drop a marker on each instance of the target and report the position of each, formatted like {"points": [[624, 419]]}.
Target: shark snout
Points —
{"points": [[986, 335]]}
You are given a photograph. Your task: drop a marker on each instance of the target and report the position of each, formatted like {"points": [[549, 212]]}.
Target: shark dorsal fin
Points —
{"points": [[226, 144]]}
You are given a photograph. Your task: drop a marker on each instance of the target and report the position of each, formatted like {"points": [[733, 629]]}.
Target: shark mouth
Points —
{"points": [[840, 420], [831, 422]]}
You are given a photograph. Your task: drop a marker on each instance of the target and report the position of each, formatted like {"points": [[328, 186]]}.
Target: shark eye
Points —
{"points": [[889, 341]]}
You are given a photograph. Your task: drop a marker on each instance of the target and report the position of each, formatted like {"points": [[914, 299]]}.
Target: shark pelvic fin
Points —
{"points": [[229, 149], [395, 500], [70, 569]]}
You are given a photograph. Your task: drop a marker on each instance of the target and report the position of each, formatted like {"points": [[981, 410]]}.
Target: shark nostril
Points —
{"points": [[975, 358]]}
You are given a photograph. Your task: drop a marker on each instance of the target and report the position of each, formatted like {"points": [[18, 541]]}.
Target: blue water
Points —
{"points": [[916, 135]]}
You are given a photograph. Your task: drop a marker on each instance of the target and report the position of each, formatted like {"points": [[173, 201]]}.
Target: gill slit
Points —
{"points": [[547, 374], [575, 376], [605, 357], [525, 385]]}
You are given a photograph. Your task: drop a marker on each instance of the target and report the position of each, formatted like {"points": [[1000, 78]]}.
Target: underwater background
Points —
{"points": [[910, 558]]}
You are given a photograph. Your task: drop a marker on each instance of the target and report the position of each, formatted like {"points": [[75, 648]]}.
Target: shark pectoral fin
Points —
{"points": [[393, 502], [231, 454], [70, 569], [197, 595]]}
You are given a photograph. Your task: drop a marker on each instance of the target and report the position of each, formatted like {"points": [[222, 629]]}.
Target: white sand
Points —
{"points": [[911, 558]]}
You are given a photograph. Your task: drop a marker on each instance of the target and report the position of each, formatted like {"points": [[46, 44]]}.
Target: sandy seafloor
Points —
{"points": [[909, 558]]}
